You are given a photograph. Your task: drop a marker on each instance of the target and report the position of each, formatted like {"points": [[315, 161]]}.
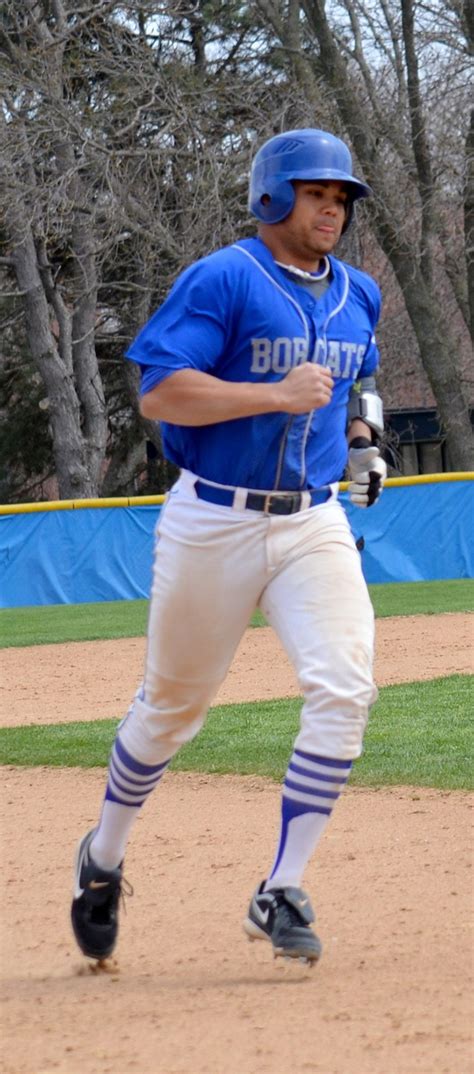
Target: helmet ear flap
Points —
{"points": [[281, 199]]}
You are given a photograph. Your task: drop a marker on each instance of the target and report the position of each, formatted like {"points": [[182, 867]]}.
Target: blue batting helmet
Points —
{"points": [[299, 154]]}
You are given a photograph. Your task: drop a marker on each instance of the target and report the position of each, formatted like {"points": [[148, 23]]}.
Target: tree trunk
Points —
{"points": [[65, 358], [438, 351], [74, 479], [434, 343], [469, 220], [88, 381]]}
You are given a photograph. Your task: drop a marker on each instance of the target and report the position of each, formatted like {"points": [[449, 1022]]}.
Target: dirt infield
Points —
{"points": [[96, 680], [391, 883]]}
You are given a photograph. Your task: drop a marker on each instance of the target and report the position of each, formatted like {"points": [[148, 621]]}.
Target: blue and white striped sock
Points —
{"points": [[311, 789], [130, 782], [128, 786]]}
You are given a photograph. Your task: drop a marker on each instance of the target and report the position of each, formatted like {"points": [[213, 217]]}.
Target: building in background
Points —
{"points": [[415, 442]]}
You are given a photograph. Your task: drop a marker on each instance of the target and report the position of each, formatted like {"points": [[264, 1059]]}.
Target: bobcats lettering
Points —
{"points": [[279, 355]]}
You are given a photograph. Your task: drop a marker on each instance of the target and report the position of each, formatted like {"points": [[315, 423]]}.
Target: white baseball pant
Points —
{"points": [[213, 566]]}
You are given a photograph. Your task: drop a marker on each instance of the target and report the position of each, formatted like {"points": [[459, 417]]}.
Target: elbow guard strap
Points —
{"points": [[368, 406]]}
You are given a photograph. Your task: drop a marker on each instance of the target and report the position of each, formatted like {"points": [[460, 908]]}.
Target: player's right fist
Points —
{"points": [[306, 387]]}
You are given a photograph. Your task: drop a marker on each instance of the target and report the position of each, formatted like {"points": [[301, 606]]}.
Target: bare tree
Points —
{"points": [[64, 354], [116, 135], [126, 139], [398, 86], [468, 21], [127, 131]]}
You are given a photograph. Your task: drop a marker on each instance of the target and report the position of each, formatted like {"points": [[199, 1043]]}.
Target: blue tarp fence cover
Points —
{"points": [[414, 533]]}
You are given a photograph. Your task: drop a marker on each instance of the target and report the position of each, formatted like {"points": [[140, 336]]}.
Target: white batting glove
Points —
{"points": [[367, 472]]}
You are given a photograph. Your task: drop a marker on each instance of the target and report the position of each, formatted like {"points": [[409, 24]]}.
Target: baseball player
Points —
{"points": [[260, 366]]}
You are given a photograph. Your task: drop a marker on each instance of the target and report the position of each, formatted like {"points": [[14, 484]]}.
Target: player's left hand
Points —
{"points": [[367, 472]]}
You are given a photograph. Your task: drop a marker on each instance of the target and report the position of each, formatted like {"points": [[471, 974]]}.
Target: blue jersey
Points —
{"points": [[236, 315]]}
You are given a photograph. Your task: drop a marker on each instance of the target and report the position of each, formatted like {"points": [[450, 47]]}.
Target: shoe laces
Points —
{"points": [[126, 892], [289, 915]]}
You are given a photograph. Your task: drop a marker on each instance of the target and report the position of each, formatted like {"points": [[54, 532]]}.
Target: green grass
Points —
{"points": [[128, 618], [73, 622], [419, 734]]}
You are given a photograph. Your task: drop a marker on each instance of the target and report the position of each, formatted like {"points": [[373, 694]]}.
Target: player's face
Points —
{"points": [[315, 223]]}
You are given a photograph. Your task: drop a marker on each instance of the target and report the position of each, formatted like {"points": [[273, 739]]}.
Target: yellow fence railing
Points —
{"points": [[144, 501]]}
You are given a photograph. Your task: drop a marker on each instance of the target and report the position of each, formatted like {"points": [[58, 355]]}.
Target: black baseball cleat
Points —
{"points": [[283, 916], [94, 910]]}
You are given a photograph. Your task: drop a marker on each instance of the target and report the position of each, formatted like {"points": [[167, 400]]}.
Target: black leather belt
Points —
{"points": [[272, 503]]}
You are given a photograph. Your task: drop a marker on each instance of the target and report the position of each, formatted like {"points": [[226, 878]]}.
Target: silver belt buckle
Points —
{"points": [[294, 499]]}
